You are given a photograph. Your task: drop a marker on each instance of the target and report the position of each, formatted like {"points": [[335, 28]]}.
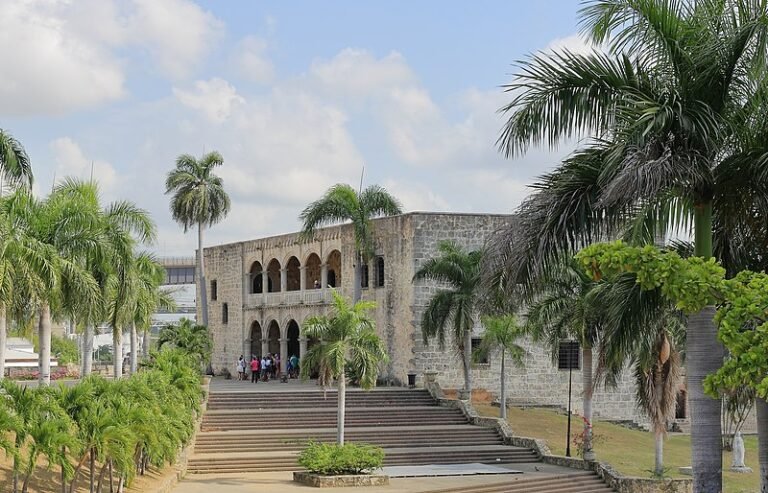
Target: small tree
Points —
{"points": [[500, 335], [347, 336], [191, 338]]}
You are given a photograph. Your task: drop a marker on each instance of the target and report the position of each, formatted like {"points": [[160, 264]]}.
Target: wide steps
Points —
{"points": [[297, 441], [202, 464], [579, 482], [261, 400]]}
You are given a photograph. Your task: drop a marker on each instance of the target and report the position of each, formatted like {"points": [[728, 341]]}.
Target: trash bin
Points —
{"points": [[411, 380]]}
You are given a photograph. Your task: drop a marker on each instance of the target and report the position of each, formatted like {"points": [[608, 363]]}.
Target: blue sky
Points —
{"points": [[295, 95]]}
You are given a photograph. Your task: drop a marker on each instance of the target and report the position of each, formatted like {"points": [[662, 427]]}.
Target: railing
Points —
{"points": [[307, 297]]}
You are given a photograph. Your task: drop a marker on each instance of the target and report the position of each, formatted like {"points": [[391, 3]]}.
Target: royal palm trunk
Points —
{"points": [[117, 351], [658, 431], [87, 350], [134, 348], [704, 356], [762, 441], [358, 280], [587, 386], [44, 341], [201, 267], [145, 344], [468, 364], [3, 339], [342, 401], [502, 379]]}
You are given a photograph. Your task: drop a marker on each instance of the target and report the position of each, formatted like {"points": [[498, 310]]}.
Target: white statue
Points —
{"points": [[738, 455]]}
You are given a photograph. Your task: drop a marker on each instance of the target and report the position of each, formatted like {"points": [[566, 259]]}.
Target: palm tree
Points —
{"points": [[347, 337], [676, 109], [198, 200], [14, 162], [342, 203], [500, 335], [565, 308], [190, 337], [458, 305]]}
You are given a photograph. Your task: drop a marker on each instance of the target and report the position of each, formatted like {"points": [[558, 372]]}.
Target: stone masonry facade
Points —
{"points": [[262, 291]]}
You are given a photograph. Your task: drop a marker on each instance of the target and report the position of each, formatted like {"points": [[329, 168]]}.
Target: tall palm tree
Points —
{"points": [[14, 162], [565, 309], [676, 110], [193, 338], [457, 305], [500, 335], [342, 203], [198, 200], [347, 337]]}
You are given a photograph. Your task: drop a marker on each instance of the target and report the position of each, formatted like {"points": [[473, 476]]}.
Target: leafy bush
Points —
{"points": [[65, 350], [332, 459]]}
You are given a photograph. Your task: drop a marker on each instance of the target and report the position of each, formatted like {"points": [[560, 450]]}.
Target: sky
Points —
{"points": [[297, 96]]}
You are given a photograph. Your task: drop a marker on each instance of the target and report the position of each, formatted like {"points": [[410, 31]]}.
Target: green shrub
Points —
{"points": [[65, 350], [332, 459]]}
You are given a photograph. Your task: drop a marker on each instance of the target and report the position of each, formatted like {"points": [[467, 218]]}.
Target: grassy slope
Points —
{"points": [[629, 451]]}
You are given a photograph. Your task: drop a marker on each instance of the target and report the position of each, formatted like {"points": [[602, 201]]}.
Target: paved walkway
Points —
{"points": [[282, 482]]}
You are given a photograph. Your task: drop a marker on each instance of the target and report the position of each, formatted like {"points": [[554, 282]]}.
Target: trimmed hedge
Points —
{"points": [[331, 459]]}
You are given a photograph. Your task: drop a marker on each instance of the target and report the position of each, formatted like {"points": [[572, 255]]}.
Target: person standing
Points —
{"points": [[294, 366], [254, 369], [240, 367], [265, 368]]}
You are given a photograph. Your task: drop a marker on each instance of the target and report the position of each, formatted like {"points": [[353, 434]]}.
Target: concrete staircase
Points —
{"points": [[578, 482], [259, 431]]}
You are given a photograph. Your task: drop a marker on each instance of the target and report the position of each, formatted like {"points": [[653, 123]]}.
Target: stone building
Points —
{"points": [[261, 291]]}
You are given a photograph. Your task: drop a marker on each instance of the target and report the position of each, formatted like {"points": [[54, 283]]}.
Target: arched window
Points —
{"points": [[364, 276], [214, 290], [379, 271], [224, 313]]}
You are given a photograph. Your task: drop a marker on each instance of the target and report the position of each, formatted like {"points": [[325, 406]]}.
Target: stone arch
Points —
{"points": [[293, 274], [256, 336], [312, 271], [292, 334], [273, 276], [273, 337], [257, 279], [334, 269]]}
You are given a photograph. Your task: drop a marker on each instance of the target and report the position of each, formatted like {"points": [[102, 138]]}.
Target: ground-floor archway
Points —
{"points": [[256, 339], [273, 338], [293, 339]]}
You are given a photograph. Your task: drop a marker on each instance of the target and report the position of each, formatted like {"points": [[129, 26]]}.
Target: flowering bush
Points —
{"points": [[59, 374]]}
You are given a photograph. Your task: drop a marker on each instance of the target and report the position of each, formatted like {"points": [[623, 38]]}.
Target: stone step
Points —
{"points": [[325, 423], [586, 482], [260, 402]]}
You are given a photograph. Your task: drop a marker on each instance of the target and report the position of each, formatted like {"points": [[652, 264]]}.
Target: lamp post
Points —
{"points": [[568, 359]]}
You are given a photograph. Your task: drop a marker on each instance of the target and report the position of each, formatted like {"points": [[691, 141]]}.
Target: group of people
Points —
{"points": [[265, 367]]}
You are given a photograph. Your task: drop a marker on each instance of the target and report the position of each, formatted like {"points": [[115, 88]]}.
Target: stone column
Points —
{"points": [[324, 276], [283, 354], [302, 347], [247, 285], [264, 282], [303, 278], [264, 347], [283, 280]]}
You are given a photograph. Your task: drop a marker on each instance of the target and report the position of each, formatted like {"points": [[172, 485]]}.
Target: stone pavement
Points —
{"points": [[282, 482]]}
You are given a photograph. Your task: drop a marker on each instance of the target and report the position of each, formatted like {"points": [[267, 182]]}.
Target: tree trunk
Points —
{"points": [[87, 350], [704, 355], [134, 348], [762, 441], [586, 373], [44, 341], [503, 393], [659, 464], [468, 363], [3, 339], [117, 351], [342, 401], [145, 344], [201, 267], [91, 468], [63, 474], [358, 280]]}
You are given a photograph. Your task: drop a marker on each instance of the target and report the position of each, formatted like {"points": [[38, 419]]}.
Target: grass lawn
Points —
{"points": [[629, 451]]}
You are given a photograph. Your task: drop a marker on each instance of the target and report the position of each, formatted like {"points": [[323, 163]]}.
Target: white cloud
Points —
{"points": [[62, 55], [177, 33], [72, 162], [49, 68], [250, 59], [215, 98], [416, 196], [575, 43]]}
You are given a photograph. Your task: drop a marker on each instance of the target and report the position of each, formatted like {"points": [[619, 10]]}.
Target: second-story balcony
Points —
{"points": [[304, 297]]}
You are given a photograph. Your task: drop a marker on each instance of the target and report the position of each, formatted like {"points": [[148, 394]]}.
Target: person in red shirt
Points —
{"points": [[254, 369]]}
